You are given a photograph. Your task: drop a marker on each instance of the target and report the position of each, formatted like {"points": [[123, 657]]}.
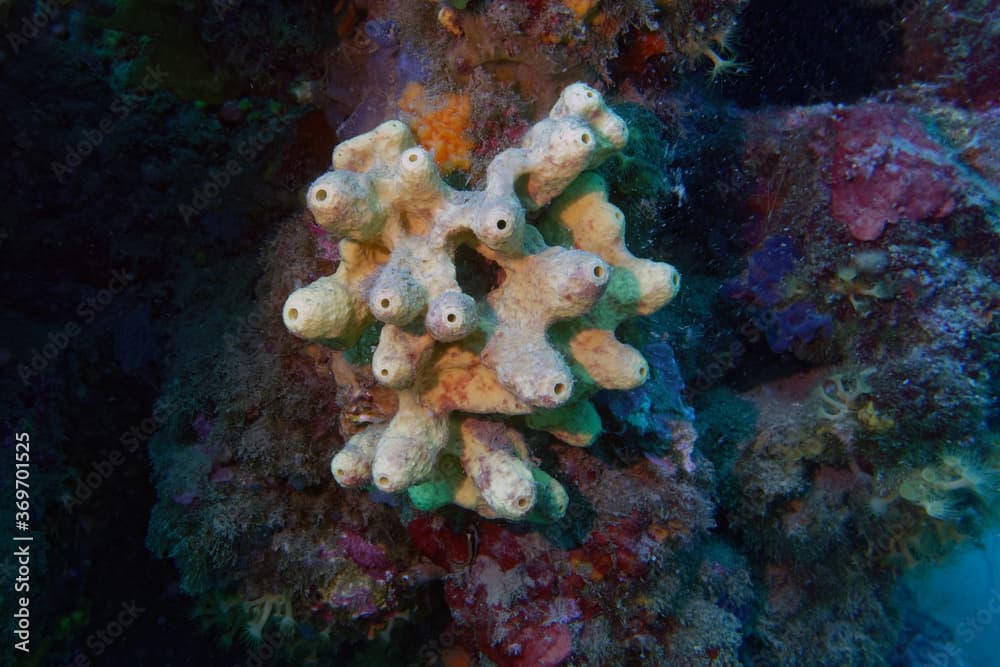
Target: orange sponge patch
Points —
{"points": [[441, 126]]}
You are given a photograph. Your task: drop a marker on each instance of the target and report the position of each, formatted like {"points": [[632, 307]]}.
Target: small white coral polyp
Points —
{"points": [[539, 344]]}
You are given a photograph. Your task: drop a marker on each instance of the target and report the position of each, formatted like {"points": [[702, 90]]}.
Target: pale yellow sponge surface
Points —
{"points": [[538, 345]]}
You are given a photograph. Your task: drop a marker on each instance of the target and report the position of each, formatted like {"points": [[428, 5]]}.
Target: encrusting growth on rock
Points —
{"points": [[539, 344]]}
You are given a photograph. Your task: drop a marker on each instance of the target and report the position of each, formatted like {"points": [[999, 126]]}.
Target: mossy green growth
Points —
{"points": [[360, 352], [575, 526], [175, 48], [640, 177], [440, 489], [550, 499], [578, 417]]}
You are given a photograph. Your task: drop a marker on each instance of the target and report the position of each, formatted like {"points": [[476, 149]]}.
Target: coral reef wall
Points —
{"points": [[535, 459]]}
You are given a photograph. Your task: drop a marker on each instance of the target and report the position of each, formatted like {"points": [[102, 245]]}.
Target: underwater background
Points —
{"points": [[808, 472]]}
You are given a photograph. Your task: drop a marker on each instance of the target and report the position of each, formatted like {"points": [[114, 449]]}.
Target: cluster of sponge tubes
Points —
{"points": [[538, 345]]}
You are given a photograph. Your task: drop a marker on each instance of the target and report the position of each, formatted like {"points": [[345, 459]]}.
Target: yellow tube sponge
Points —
{"points": [[538, 345], [555, 284], [353, 464], [408, 448], [491, 461]]}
